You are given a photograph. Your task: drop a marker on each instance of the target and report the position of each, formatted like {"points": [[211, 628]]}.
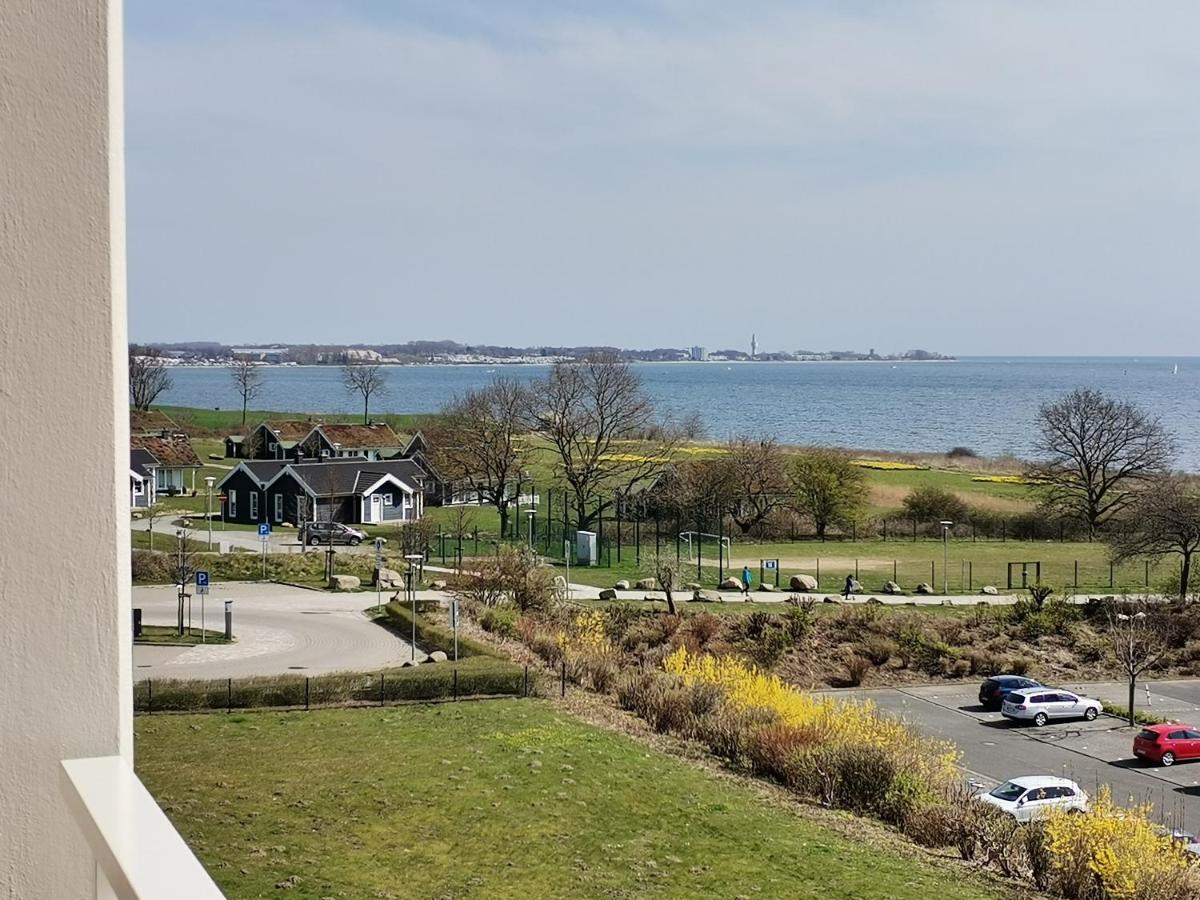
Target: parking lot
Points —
{"points": [[1090, 753]]}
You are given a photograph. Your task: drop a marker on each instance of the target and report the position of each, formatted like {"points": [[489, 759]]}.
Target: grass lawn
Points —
{"points": [[140, 540], [166, 635], [217, 423], [494, 799]]}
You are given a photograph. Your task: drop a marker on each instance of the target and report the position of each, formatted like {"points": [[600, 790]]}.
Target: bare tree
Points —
{"points": [[183, 567], [248, 380], [828, 487], [1163, 519], [148, 376], [153, 514], [477, 442], [1138, 635], [1095, 450], [595, 414], [666, 571], [366, 380], [753, 478]]}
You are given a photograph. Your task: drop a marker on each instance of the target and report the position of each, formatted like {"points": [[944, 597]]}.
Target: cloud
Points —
{"points": [[973, 177]]}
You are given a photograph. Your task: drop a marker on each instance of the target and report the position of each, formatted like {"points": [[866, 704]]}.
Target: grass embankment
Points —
{"points": [[500, 799], [166, 635]]}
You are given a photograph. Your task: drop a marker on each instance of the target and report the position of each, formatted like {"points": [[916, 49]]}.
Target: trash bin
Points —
{"points": [[137, 622]]}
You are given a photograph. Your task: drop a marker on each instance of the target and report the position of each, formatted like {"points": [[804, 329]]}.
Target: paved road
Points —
{"points": [[1091, 753], [278, 629]]}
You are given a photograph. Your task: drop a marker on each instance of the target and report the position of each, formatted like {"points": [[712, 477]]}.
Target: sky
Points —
{"points": [[974, 178]]}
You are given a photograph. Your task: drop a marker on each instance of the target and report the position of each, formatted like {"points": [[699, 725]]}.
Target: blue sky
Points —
{"points": [[975, 178]]}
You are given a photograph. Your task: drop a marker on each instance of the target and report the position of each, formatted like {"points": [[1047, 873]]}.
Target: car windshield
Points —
{"points": [[1008, 791]]}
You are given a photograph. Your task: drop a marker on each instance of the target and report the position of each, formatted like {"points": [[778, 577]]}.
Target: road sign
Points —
{"points": [[264, 530], [202, 582], [771, 564], [223, 498]]}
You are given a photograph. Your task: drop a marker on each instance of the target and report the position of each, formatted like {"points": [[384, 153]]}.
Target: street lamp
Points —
{"points": [[946, 526], [208, 482], [278, 444], [531, 513]]}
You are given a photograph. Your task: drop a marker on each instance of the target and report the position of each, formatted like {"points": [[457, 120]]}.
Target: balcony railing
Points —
{"points": [[139, 854]]}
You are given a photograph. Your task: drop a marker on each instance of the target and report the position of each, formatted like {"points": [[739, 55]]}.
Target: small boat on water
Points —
{"points": [[1175, 371]]}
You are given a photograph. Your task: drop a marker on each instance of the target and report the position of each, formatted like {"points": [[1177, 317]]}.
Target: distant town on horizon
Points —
{"points": [[452, 352]]}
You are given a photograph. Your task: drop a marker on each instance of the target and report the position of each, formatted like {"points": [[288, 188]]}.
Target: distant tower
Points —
{"points": [[753, 345]]}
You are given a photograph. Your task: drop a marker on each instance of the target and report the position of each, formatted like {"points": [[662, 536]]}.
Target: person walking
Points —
{"points": [[849, 589], [747, 578]]}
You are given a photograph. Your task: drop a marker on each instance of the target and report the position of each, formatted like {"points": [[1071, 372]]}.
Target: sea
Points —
{"points": [[988, 404]]}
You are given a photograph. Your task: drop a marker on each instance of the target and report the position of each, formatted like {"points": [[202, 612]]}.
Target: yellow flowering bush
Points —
{"points": [[1004, 479], [586, 634], [886, 465], [1110, 852]]}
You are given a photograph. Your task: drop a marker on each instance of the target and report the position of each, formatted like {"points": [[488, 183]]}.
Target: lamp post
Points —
{"points": [[278, 444], [531, 513], [208, 483], [946, 526]]}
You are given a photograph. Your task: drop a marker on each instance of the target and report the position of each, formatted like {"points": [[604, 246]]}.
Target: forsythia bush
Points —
{"points": [[886, 465], [1110, 852]]}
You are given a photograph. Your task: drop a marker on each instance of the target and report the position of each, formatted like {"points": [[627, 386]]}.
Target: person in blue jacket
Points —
{"points": [[747, 578]]}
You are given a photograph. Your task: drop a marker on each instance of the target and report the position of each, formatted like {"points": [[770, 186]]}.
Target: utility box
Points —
{"points": [[585, 549]]}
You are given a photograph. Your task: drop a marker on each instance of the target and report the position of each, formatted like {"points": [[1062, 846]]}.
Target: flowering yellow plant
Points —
{"points": [[586, 634], [886, 465], [1004, 479]]}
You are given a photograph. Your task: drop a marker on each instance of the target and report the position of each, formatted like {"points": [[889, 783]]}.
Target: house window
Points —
{"points": [[279, 507], [387, 499], [254, 505], [272, 446], [233, 504], [324, 454]]}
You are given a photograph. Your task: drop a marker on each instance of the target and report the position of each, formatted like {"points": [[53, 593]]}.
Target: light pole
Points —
{"points": [[208, 482], [946, 526], [531, 513]]}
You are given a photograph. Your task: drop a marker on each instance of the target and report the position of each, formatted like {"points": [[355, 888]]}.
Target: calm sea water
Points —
{"points": [[987, 404]]}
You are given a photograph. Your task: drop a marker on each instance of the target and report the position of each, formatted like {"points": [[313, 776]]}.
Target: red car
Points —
{"points": [[1164, 744]]}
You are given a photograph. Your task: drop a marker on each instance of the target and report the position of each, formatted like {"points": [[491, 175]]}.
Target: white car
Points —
{"points": [[1040, 705], [1030, 796]]}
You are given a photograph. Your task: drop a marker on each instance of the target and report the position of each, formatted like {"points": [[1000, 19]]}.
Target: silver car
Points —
{"points": [[1030, 796], [1040, 705]]}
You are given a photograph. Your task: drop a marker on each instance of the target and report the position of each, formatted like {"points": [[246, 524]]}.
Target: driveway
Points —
{"points": [[1091, 753], [278, 629]]}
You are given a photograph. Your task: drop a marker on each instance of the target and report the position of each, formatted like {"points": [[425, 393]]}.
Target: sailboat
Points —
{"points": [[1175, 371]]}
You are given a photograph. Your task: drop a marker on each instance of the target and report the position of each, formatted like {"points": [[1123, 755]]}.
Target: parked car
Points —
{"points": [[1030, 796], [1167, 744], [332, 533], [993, 691], [1041, 705]]}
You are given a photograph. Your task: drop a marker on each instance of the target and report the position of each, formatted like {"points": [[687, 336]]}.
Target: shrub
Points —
{"points": [[704, 627], [857, 668], [547, 647], [797, 622], [932, 504], [957, 668], [961, 453], [499, 620], [726, 730], [878, 650], [1020, 665], [398, 618]]}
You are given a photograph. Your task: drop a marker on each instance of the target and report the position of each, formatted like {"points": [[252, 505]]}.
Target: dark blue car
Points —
{"points": [[993, 691]]}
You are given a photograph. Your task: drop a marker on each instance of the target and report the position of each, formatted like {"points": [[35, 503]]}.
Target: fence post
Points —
{"points": [[526, 686], [1147, 573], [1110, 576], [818, 573], [970, 574], [933, 574], [306, 690], [381, 676], [228, 695], [564, 679], [894, 578], [150, 696], [456, 684], [856, 570], [1076, 574]]}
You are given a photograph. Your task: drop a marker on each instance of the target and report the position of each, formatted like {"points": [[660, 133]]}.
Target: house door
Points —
{"points": [[376, 508]]}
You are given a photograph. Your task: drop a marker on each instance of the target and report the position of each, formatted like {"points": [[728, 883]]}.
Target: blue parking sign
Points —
{"points": [[264, 529], [201, 579]]}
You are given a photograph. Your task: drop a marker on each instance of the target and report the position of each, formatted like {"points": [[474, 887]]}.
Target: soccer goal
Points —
{"points": [[702, 544]]}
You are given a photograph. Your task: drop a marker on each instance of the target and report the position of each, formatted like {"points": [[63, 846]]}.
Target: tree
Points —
{"points": [[930, 503], [665, 569], [596, 415], [1162, 519], [1138, 635], [478, 442], [183, 567], [148, 376], [366, 380], [1095, 451], [248, 380], [753, 477], [828, 487]]}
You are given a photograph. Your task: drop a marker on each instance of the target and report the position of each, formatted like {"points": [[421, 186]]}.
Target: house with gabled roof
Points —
{"points": [[175, 459], [142, 493], [273, 439], [351, 490], [337, 440]]}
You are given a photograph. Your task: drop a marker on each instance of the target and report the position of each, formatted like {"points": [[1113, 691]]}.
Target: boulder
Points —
{"points": [[767, 588], [388, 579], [874, 601], [137, 515], [655, 598], [286, 525], [438, 584], [803, 583], [692, 586], [647, 584], [892, 588], [700, 596], [731, 584], [345, 583], [621, 585], [829, 599], [989, 589], [608, 594], [924, 588], [408, 663], [436, 656]]}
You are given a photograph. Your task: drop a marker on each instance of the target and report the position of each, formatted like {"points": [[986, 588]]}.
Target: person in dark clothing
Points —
{"points": [[849, 589]]}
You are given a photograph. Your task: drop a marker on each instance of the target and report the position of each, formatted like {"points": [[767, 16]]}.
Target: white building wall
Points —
{"points": [[65, 666]]}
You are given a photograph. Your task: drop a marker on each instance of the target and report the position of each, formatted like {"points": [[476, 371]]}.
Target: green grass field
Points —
{"points": [[217, 423], [499, 799], [165, 635]]}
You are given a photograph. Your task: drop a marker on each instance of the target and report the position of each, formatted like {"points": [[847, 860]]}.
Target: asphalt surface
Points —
{"points": [[1091, 753], [277, 629]]}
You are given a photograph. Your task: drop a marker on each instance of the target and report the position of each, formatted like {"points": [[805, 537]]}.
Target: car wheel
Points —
{"points": [[1090, 713], [354, 542], [1168, 758], [1074, 811], [1040, 719], [313, 541]]}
